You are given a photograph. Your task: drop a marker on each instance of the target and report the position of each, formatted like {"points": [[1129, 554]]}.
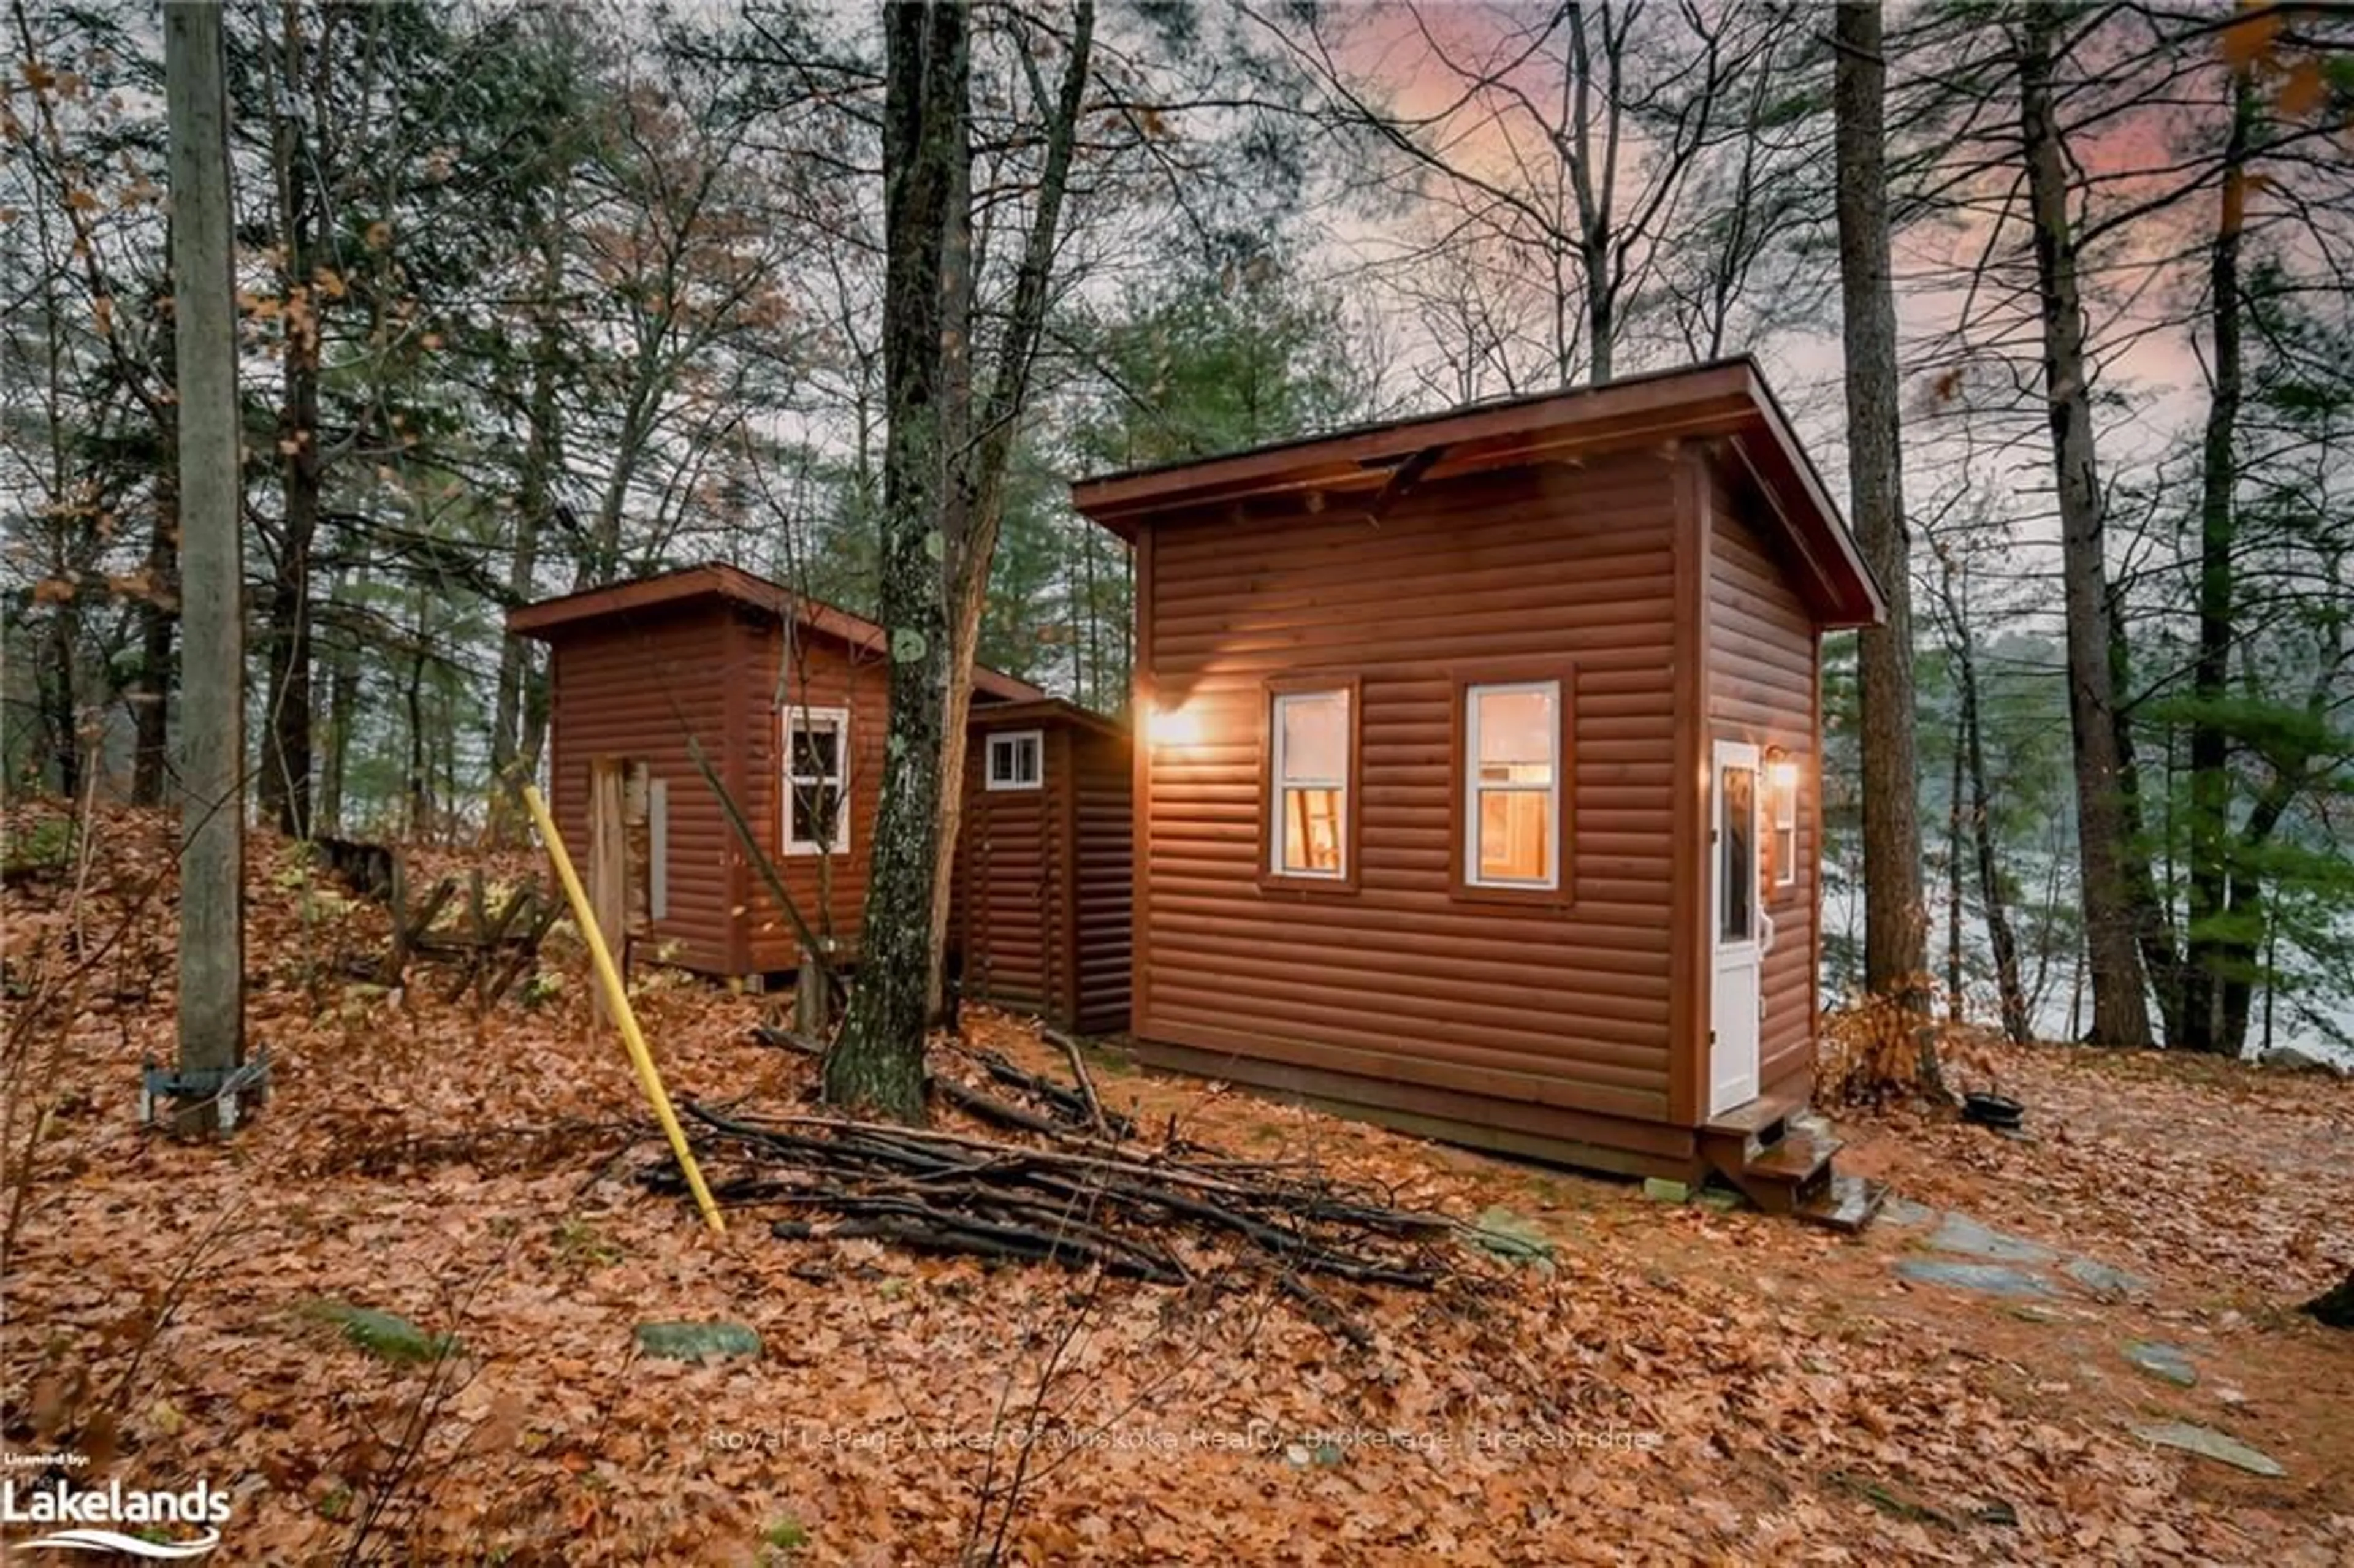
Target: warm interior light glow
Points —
{"points": [[1173, 726]]}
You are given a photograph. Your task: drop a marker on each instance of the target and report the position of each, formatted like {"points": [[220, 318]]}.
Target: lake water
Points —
{"points": [[1843, 915]]}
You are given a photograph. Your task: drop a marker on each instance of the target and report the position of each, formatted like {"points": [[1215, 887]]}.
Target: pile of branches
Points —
{"points": [[1082, 1188]]}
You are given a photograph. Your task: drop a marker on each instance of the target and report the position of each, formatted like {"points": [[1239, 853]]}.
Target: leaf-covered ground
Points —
{"points": [[1682, 1385]]}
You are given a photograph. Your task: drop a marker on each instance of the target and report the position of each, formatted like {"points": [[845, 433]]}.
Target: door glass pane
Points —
{"points": [[1315, 734], [1515, 834], [1736, 867], [1311, 831], [1516, 737]]}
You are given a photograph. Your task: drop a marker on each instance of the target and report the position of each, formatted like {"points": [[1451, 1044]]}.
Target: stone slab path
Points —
{"points": [[1967, 1254]]}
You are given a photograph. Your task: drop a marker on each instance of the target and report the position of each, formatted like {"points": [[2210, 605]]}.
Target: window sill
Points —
{"points": [[1278, 882], [1527, 898]]}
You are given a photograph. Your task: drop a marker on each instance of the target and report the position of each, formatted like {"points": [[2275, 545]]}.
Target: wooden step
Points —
{"points": [[1783, 1177], [1797, 1161], [1779, 1155], [1757, 1125], [1844, 1203]]}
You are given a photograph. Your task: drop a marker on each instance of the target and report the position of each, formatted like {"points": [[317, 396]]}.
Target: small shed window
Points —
{"points": [[1015, 759], [817, 780], [1782, 780], [1511, 759], [1309, 805]]}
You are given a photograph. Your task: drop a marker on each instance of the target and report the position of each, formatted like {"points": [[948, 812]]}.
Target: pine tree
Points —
{"points": [[1895, 961]]}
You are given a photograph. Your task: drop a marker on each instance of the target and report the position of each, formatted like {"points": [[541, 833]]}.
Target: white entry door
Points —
{"points": [[1741, 932]]}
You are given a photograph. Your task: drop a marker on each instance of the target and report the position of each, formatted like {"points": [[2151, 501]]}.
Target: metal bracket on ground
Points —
{"points": [[247, 1081]]}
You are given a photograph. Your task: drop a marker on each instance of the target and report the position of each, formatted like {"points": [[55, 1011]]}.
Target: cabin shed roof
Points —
{"points": [[551, 618], [1725, 400], [1054, 710]]}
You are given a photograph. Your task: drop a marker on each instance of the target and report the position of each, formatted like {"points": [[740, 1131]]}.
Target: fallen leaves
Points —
{"points": [[1682, 1386]]}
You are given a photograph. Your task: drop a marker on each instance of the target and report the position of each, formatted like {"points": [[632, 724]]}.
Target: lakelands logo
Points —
{"points": [[95, 1518]]}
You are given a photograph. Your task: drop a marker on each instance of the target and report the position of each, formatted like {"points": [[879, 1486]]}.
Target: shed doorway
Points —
{"points": [[1740, 931]]}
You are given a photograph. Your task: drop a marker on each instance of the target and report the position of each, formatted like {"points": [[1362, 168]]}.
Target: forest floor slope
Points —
{"points": [[1679, 1384]]}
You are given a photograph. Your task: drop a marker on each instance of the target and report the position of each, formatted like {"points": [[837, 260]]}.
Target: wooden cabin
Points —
{"points": [[787, 698], [1479, 791], [1043, 864]]}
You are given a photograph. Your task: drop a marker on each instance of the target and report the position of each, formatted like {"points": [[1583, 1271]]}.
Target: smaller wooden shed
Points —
{"points": [[1044, 863], [788, 697]]}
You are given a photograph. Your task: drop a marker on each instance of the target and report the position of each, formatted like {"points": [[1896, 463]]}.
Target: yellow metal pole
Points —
{"points": [[617, 1001]]}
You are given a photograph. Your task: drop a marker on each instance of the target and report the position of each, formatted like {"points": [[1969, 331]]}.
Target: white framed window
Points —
{"points": [[1782, 780], [1512, 764], [1308, 806], [1017, 759], [817, 780]]}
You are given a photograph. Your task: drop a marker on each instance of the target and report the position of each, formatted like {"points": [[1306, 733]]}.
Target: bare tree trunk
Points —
{"points": [[878, 1059], [2237, 957], [1956, 977], [342, 683], [159, 615], [1895, 936], [2253, 923], [1077, 593], [419, 779], [212, 715], [2120, 999], [1593, 211], [2206, 960], [535, 724], [285, 780], [1982, 808], [1127, 633], [55, 682], [150, 687], [2153, 929], [974, 547], [534, 504]]}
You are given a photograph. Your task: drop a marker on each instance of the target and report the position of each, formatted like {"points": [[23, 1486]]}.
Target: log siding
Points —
{"points": [[1043, 875], [1562, 1003], [720, 655], [1660, 546], [820, 672], [1763, 671], [636, 689]]}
